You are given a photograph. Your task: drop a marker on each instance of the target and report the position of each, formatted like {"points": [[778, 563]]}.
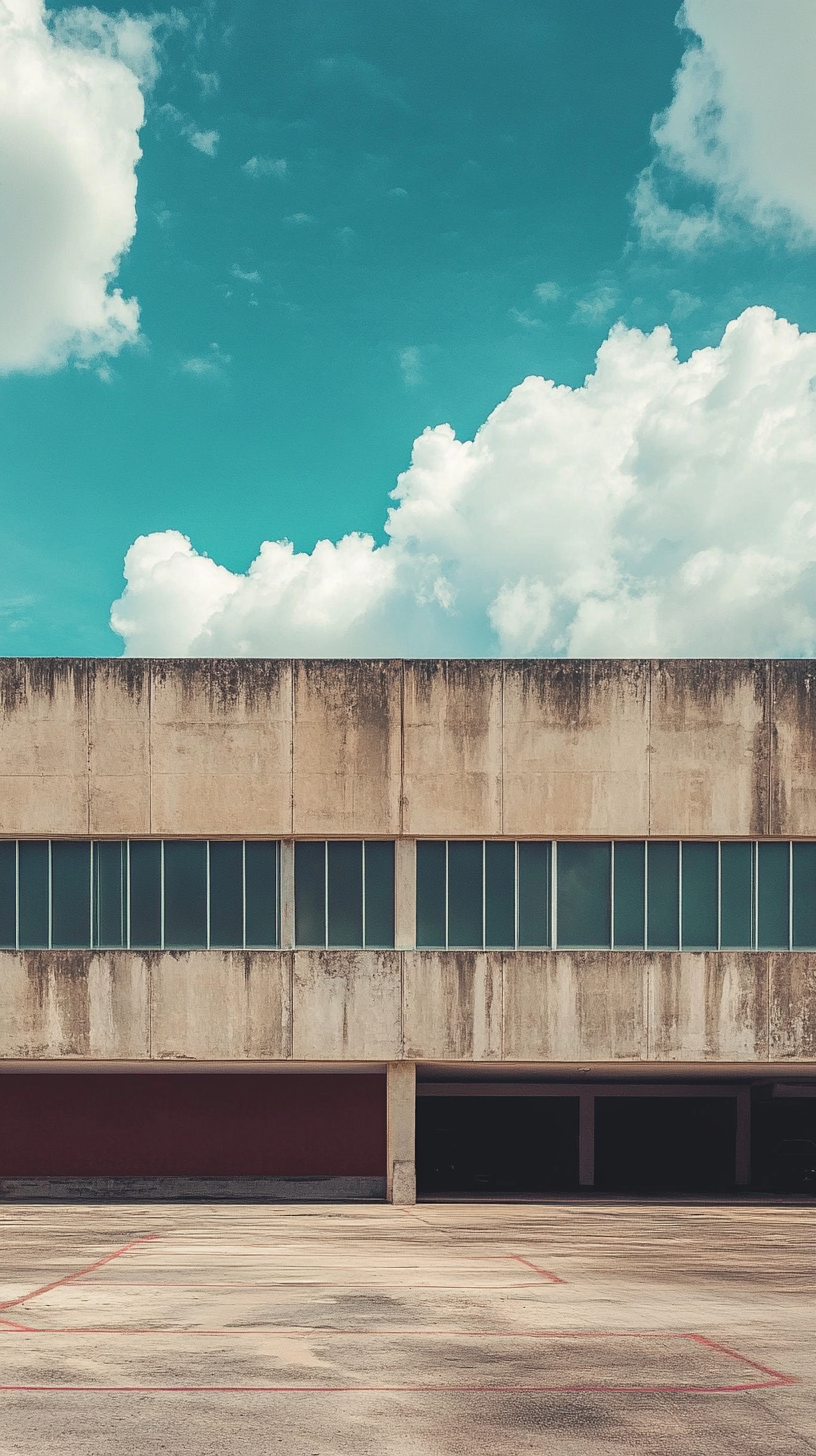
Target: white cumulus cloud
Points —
{"points": [[742, 121], [70, 111], [665, 506]]}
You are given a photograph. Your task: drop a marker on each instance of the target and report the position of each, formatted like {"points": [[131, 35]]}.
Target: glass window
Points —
{"points": [[8, 894], [804, 896], [773, 874], [109, 896], [345, 893], [465, 893], [431, 892], [185, 893], [500, 894], [700, 894], [262, 867], [663, 895], [630, 894], [226, 893], [310, 893], [379, 893], [145, 893], [70, 893], [737, 895], [584, 881], [534, 893], [34, 893]]}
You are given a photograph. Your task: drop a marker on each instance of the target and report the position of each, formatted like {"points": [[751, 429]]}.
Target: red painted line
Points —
{"points": [[402, 1389], [69, 1278], [735, 1355], [10, 1325], [545, 1273]]}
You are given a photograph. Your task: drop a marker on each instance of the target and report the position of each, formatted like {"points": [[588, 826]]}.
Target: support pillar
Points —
{"points": [[586, 1139], [405, 894], [742, 1161], [401, 1137]]}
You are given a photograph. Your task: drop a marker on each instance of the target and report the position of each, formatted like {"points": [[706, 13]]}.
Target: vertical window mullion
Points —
{"points": [[719, 894], [17, 892], [790, 893], [612, 895], [208, 893], [446, 894], [325, 893], [554, 895], [646, 895], [91, 897], [50, 899], [755, 890], [484, 895], [127, 893], [161, 887], [243, 893], [680, 895], [363, 853], [516, 894]]}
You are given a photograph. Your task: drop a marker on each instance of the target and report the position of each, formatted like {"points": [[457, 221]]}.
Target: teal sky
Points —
{"points": [[301, 325]]}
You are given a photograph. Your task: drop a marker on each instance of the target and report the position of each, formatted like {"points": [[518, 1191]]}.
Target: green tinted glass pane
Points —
{"points": [[109, 893], [379, 893], [145, 893], [584, 881], [500, 894], [185, 893], [773, 874], [33, 872], [430, 893], [663, 895], [226, 893], [262, 870], [737, 896], [630, 894], [144, 857], [310, 893], [345, 892], [699, 895], [70, 893], [534, 857], [465, 880], [8, 894], [804, 896]]}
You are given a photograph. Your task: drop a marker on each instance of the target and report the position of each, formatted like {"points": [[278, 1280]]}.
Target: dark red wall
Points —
{"points": [[227, 1123]]}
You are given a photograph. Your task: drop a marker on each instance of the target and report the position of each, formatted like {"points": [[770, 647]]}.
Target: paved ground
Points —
{"points": [[483, 1330]]}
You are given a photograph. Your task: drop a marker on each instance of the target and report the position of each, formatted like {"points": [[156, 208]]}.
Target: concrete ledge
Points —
{"points": [[170, 1189]]}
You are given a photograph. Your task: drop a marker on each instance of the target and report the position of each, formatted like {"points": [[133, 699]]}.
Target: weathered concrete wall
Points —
{"points": [[265, 747], [582, 1007]]}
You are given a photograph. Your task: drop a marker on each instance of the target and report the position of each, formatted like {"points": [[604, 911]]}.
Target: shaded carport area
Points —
{"points": [[692, 1136]]}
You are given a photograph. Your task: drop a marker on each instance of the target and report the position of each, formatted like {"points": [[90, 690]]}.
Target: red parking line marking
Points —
{"points": [[69, 1278], [545, 1273]]}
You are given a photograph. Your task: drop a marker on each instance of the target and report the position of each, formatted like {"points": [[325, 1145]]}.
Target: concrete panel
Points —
{"points": [[709, 748], [221, 748], [221, 1005], [574, 1006], [792, 1012], [119, 747], [346, 1005], [347, 748], [793, 751], [452, 748], [43, 746], [453, 1005], [711, 1007], [576, 741], [74, 1004], [400, 1161]]}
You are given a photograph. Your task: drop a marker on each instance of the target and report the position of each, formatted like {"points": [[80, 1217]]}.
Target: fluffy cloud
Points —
{"points": [[663, 507], [70, 111], [742, 122]]}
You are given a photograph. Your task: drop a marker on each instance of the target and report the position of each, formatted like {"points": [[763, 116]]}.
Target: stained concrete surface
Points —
{"points": [[582, 1328]]}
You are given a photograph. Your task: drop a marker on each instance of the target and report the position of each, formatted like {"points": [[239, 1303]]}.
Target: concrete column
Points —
{"points": [[742, 1164], [586, 1139], [287, 894], [405, 894], [401, 1164]]}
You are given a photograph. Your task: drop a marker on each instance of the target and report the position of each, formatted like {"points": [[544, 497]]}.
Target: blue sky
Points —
{"points": [[355, 221]]}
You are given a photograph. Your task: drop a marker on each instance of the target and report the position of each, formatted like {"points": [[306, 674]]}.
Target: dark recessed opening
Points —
{"points": [[665, 1144], [496, 1144], [783, 1145]]}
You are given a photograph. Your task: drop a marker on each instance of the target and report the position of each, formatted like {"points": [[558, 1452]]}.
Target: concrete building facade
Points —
{"points": [[312, 928]]}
